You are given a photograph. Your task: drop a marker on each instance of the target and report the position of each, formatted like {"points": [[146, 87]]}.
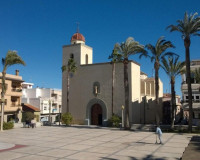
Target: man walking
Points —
{"points": [[159, 133]]}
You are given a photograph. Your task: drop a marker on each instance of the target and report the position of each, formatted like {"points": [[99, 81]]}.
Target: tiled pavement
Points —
{"points": [[70, 143]]}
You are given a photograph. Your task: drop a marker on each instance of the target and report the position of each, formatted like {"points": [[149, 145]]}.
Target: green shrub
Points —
{"points": [[27, 116], [114, 121], [67, 118], [8, 125]]}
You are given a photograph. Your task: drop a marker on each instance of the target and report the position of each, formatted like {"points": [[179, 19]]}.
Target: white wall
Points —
{"points": [[34, 102]]}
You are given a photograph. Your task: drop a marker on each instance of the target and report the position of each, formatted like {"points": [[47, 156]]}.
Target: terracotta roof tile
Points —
{"points": [[31, 107], [78, 36]]}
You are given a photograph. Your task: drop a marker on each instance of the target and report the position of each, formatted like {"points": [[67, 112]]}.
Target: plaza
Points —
{"points": [[88, 143]]}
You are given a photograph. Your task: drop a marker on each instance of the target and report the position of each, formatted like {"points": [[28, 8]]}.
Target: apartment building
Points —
{"points": [[195, 94], [12, 108], [46, 99]]}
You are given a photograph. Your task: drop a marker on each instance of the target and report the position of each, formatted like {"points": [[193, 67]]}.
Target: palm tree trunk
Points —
{"points": [[173, 103], [188, 80], [156, 67], [3, 98], [126, 89], [2, 114], [67, 91], [113, 83]]}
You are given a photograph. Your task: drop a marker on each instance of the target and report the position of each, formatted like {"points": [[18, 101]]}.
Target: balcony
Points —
{"points": [[195, 87], [15, 104], [16, 90], [193, 101]]}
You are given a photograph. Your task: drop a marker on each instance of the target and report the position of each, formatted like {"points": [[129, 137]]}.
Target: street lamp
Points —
{"points": [[122, 116], [49, 112], [59, 114]]}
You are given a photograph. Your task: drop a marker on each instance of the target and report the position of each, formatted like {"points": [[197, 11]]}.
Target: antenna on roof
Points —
{"points": [[77, 23]]}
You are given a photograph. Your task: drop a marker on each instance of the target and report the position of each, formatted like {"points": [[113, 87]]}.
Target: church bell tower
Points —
{"points": [[78, 50]]}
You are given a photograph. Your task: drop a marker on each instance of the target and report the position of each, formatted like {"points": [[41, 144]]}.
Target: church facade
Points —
{"points": [[90, 93]]}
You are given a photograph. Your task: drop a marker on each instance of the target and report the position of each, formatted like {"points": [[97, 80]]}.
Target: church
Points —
{"points": [[90, 92]]}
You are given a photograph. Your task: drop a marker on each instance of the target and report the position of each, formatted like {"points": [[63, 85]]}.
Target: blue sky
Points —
{"points": [[38, 29]]}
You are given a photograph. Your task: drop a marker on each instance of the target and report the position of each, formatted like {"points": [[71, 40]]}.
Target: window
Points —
{"points": [[72, 56], [86, 59], [45, 108], [197, 97], [196, 115], [186, 98]]}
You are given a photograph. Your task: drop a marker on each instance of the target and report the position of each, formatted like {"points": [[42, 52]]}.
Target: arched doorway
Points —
{"points": [[96, 114]]}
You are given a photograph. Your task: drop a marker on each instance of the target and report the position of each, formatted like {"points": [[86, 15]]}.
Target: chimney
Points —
{"points": [[17, 72]]}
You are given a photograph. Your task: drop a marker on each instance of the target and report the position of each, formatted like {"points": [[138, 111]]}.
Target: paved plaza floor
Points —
{"points": [[70, 143]]}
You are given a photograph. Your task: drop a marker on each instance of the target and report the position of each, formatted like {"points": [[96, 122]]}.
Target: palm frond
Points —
{"points": [[64, 68], [197, 74], [172, 66], [12, 58], [127, 48], [190, 25]]}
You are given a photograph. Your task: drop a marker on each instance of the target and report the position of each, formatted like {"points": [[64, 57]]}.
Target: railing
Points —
{"points": [[16, 90], [14, 104], [194, 101]]}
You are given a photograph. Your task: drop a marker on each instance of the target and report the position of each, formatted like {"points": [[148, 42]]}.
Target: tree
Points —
{"points": [[126, 49], [11, 58], [157, 53], [173, 68], [67, 118], [27, 116], [70, 68], [197, 75], [190, 25], [115, 57]]}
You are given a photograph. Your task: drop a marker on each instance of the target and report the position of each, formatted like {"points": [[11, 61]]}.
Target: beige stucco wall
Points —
{"points": [[81, 89], [135, 90], [79, 51], [86, 50], [12, 93]]}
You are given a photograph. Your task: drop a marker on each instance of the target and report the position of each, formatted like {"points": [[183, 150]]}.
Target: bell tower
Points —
{"points": [[78, 50]]}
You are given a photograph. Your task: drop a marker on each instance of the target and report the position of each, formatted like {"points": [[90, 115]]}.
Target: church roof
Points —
{"points": [[78, 36]]}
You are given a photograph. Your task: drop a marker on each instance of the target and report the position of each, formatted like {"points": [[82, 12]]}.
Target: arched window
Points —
{"points": [[72, 56], [86, 59], [96, 88]]}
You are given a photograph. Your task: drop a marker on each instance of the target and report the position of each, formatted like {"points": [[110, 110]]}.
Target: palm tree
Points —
{"points": [[197, 75], [190, 25], [11, 58], [115, 57], [126, 49], [173, 68], [70, 68], [157, 53]]}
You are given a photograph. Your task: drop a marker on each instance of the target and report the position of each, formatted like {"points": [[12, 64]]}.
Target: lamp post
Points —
{"points": [[59, 114], [144, 109], [49, 112], [122, 116]]}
